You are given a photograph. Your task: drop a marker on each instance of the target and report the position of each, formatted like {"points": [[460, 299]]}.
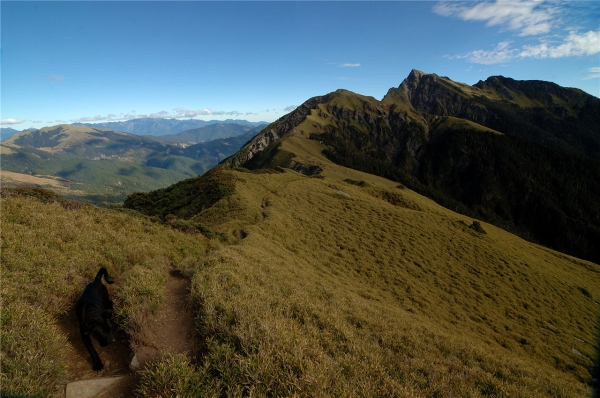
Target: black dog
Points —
{"points": [[94, 310]]}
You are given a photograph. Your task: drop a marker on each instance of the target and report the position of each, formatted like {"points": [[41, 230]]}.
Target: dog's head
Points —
{"points": [[102, 327]]}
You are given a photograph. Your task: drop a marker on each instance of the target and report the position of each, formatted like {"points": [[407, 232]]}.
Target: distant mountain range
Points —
{"points": [[7, 132], [524, 155], [209, 133], [106, 165], [160, 127]]}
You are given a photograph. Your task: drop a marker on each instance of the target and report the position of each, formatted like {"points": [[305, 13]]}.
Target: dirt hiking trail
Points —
{"points": [[171, 329]]}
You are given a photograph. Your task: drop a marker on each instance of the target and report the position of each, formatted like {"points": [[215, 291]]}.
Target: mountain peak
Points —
{"points": [[415, 75]]}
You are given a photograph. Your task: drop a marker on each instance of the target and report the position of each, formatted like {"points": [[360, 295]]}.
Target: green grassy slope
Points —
{"points": [[95, 180], [350, 285], [346, 284]]}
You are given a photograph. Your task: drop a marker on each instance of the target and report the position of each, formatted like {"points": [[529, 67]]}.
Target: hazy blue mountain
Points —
{"points": [[7, 132], [210, 132], [159, 127], [216, 150]]}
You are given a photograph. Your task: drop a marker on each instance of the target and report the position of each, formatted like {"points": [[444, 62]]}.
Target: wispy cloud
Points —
{"points": [[347, 78], [594, 73], [345, 64], [528, 17], [290, 108], [56, 78], [11, 121], [531, 18], [502, 53], [177, 113], [574, 45]]}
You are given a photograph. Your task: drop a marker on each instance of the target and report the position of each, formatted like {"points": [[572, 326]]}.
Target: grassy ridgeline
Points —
{"points": [[366, 289], [344, 285], [51, 249]]}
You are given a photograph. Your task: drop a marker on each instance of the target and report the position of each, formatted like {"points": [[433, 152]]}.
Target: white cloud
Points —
{"points": [[594, 73], [56, 78], [574, 45], [177, 113], [345, 64], [526, 16], [88, 119], [11, 121], [289, 108]]}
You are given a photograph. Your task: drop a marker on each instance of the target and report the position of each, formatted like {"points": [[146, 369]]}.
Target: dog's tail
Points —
{"points": [[103, 272]]}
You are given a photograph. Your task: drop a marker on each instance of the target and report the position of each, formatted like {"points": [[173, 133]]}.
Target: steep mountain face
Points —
{"points": [[522, 155], [539, 111]]}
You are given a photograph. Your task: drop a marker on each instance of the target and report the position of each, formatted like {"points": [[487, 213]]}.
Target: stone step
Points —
{"points": [[91, 387]]}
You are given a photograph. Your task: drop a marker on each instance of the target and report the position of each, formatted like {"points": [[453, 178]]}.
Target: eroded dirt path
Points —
{"points": [[170, 329]]}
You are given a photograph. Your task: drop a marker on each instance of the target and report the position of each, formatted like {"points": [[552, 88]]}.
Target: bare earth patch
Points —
{"points": [[172, 327], [20, 178]]}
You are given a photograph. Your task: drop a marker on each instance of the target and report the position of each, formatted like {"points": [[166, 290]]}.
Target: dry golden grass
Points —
{"points": [[332, 294], [10, 178], [49, 253]]}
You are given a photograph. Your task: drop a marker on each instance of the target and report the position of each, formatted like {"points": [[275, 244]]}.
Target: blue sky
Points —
{"points": [[65, 62]]}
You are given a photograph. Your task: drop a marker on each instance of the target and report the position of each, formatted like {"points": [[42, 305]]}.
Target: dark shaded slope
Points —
{"points": [[185, 198], [541, 193], [559, 117]]}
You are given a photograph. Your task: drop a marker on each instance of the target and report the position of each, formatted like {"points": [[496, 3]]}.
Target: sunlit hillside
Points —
{"points": [[349, 284]]}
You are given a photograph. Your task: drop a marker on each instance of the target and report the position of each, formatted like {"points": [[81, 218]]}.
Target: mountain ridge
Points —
{"points": [[451, 142]]}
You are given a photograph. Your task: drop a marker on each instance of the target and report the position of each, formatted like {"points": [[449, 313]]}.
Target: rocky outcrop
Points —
{"points": [[307, 170], [260, 142]]}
